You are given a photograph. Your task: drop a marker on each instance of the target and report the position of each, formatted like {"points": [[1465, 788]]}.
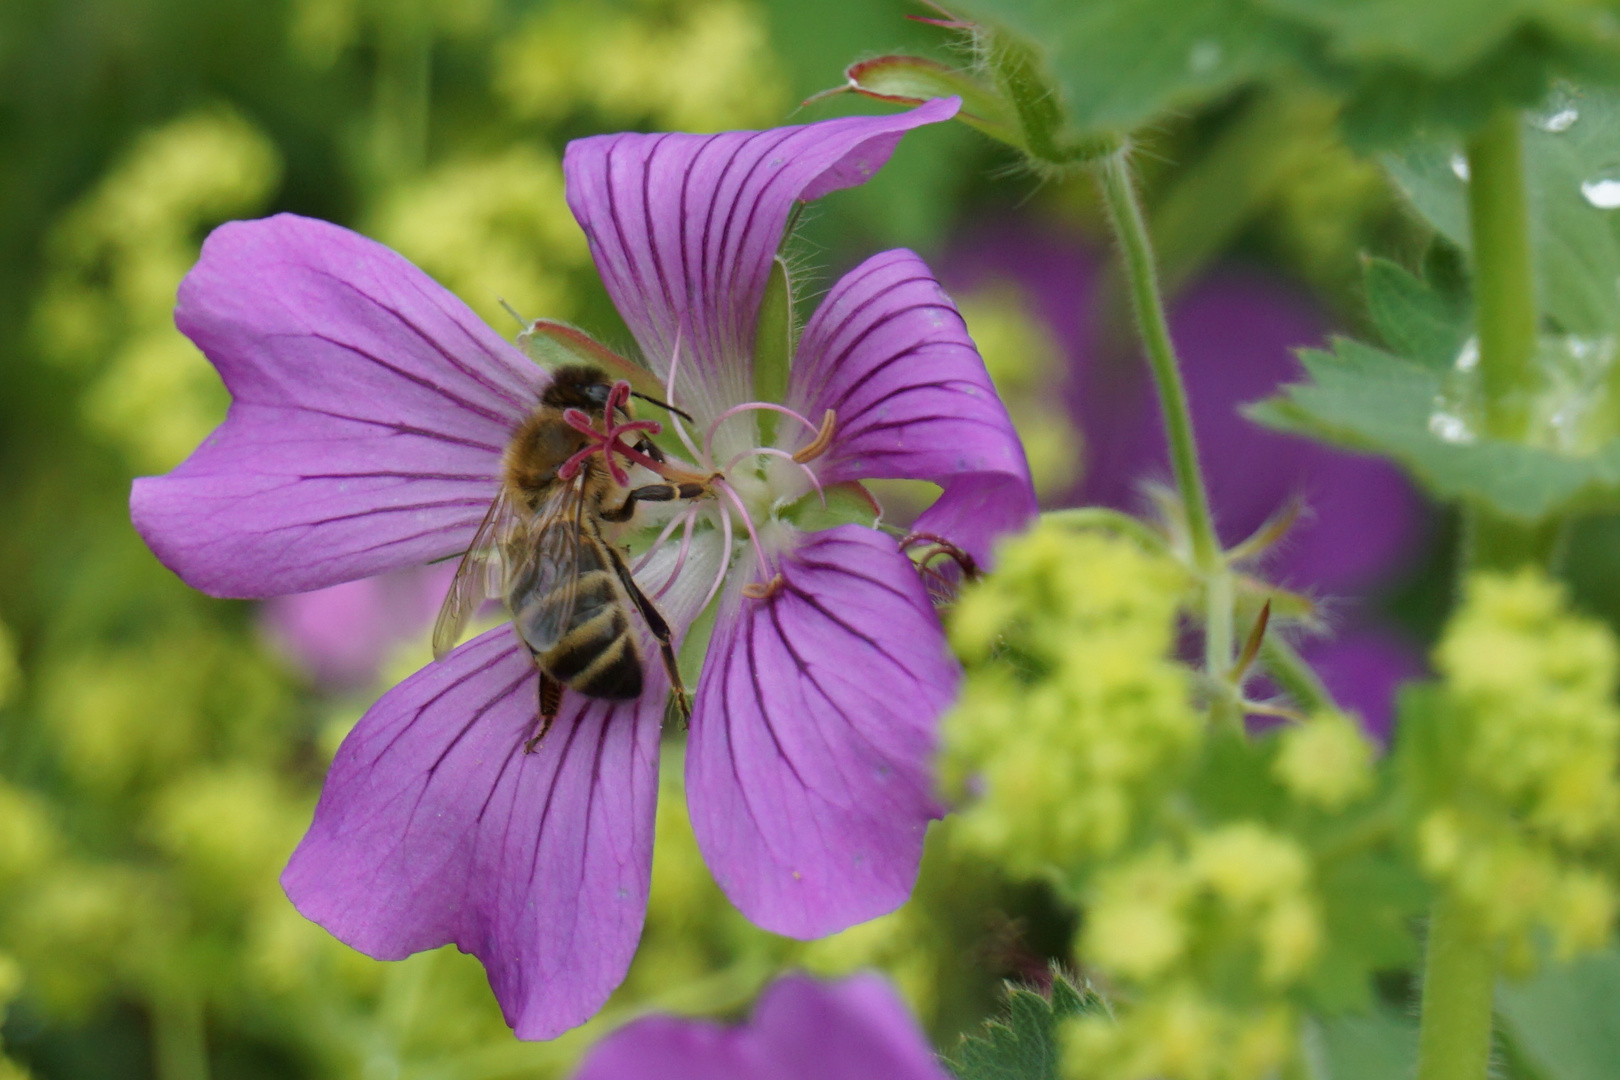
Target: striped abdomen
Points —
{"points": [[594, 653]]}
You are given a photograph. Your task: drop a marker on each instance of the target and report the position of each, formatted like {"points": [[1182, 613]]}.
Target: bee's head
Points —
{"points": [[578, 386]]}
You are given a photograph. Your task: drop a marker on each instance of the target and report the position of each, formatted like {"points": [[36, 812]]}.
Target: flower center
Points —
{"points": [[743, 495]]}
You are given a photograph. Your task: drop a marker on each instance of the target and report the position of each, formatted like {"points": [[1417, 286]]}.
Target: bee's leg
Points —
{"points": [[653, 493], [646, 446], [660, 630], [551, 692]]}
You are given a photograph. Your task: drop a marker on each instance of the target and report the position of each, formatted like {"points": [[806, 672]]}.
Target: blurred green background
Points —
{"points": [[160, 751]]}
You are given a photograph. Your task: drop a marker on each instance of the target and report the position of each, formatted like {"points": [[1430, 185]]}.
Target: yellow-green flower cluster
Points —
{"points": [[1326, 761], [1205, 942], [115, 261], [1073, 718], [491, 228], [1523, 775], [688, 65]]}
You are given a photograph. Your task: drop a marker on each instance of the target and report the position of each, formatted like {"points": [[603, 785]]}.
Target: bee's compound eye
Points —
{"points": [[598, 393]]}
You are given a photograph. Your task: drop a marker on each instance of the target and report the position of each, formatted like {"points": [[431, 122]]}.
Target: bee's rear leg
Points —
{"points": [[660, 630], [551, 692]]}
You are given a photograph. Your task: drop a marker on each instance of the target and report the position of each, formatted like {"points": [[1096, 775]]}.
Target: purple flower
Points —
{"points": [[371, 410], [856, 1029]]}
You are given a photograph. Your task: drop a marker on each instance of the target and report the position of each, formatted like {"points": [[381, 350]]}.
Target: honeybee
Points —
{"points": [[541, 549]]}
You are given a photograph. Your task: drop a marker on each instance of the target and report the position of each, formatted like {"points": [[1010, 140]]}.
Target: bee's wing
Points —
{"points": [[470, 587], [542, 577]]}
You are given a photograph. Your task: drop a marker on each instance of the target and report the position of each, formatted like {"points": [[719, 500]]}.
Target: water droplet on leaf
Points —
{"points": [[1450, 427], [1557, 122], [1603, 192], [1468, 355]]}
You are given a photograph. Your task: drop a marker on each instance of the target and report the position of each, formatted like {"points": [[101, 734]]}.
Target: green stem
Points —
{"points": [[1459, 977], [1290, 672], [1460, 968], [1125, 212], [1504, 277]]}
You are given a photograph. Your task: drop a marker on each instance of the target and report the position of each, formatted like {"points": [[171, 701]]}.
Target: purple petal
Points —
{"points": [[434, 827], [814, 726], [855, 1029], [888, 353], [684, 227], [370, 411]]}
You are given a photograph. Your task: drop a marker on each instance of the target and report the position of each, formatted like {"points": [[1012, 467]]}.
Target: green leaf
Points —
{"points": [[1378, 1046], [1440, 36], [1570, 150], [1566, 1021], [1425, 321], [1123, 62], [1024, 1045], [1367, 399]]}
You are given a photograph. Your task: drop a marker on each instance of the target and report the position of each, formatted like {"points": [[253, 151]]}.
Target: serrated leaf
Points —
{"points": [[1572, 143], [1566, 1021], [1122, 62], [1416, 318], [1367, 399], [1024, 1045]]}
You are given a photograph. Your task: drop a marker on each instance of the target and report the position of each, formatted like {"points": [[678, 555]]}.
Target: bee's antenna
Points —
{"points": [[512, 311], [682, 413]]}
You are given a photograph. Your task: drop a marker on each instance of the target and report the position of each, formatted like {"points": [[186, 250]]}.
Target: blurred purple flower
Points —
{"points": [[856, 1029], [1235, 331], [371, 410], [339, 636]]}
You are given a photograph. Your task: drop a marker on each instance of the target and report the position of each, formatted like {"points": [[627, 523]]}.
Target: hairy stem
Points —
{"points": [[1460, 968], [1459, 977], [1125, 212], [1294, 676], [1504, 279]]}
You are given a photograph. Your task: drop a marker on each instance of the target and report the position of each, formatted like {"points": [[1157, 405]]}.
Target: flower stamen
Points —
{"points": [[756, 591], [819, 444], [690, 518], [748, 523], [669, 396], [725, 556], [708, 436]]}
